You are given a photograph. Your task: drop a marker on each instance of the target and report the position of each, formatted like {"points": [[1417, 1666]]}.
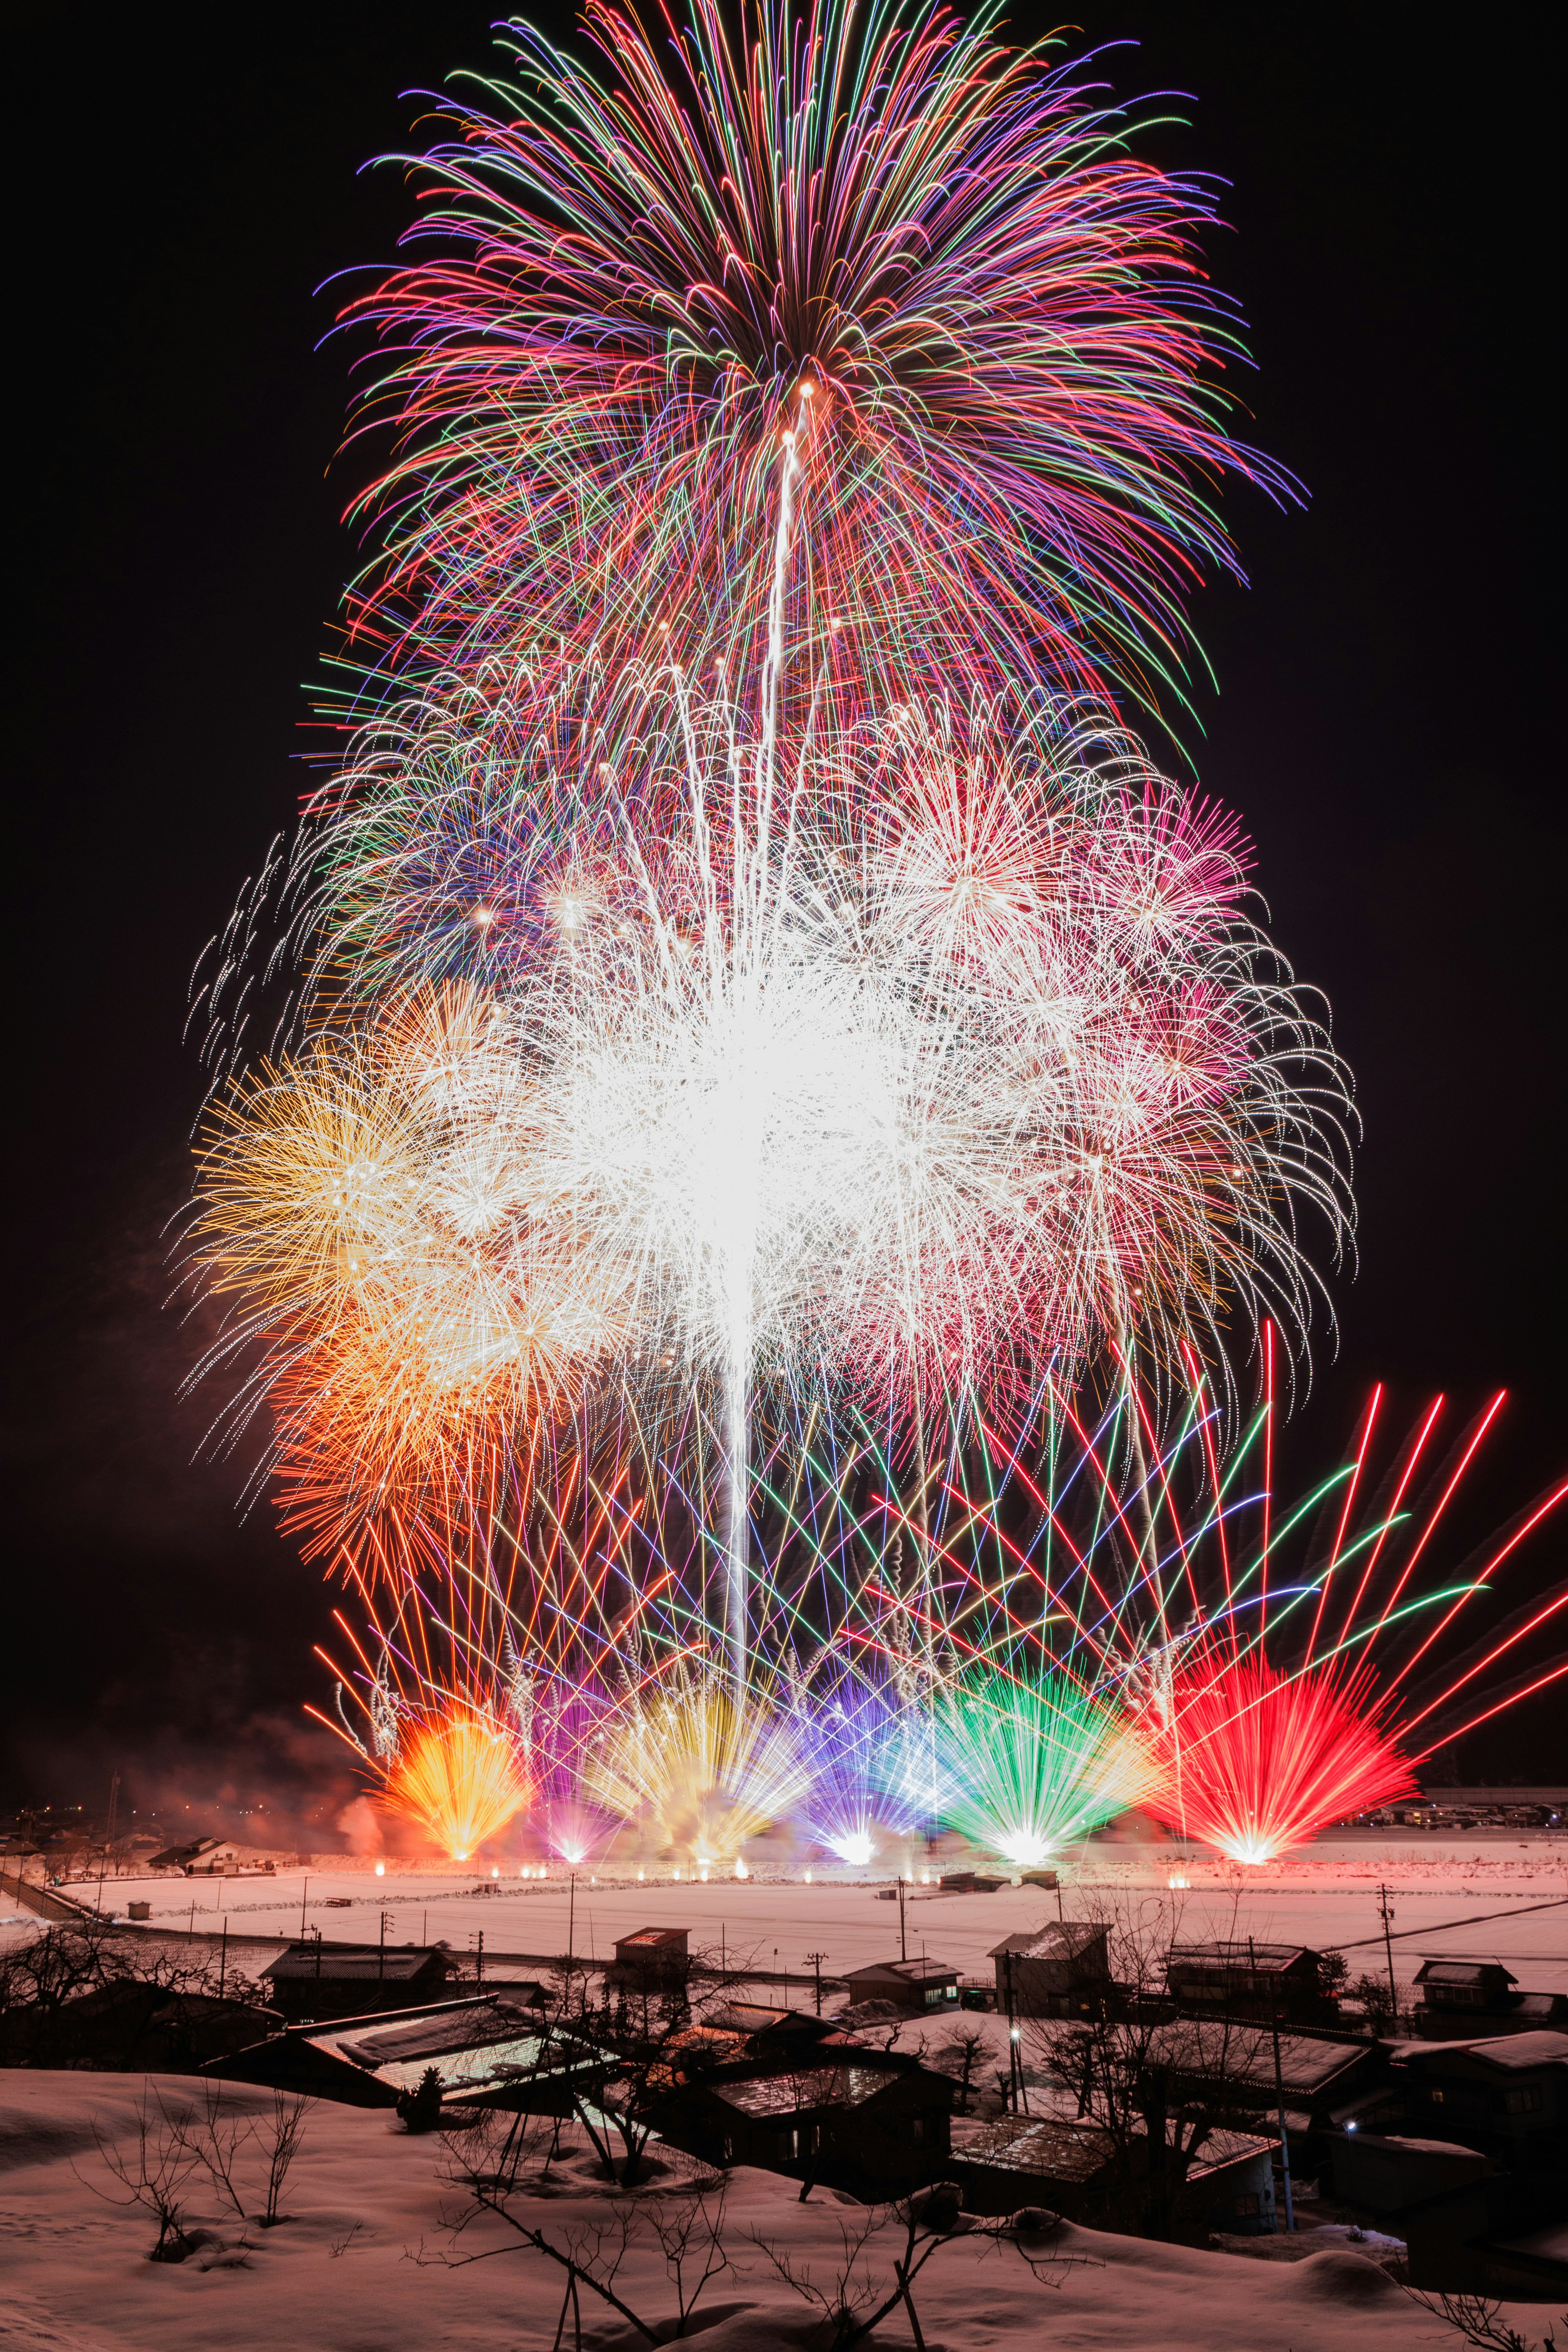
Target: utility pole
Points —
{"points": [[479, 1963], [380, 1956], [302, 1891], [108, 1835], [222, 1958], [817, 1959], [903, 1946], [1386, 1912], [1279, 2091]]}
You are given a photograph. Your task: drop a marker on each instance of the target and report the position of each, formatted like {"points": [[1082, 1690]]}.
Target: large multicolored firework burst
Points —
{"points": [[929, 266], [765, 1044]]}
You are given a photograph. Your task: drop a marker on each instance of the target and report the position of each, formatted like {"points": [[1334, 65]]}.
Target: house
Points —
{"points": [[919, 1985], [763, 2028], [1073, 2169], [852, 2119], [1279, 1982], [211, 1857], [1482, 1997], [1387, 2174], [313, 1981], [487, 2053], [969, 1881], [132, 2028], [1059, 1970], [652, 1959], [1505, 2094]]}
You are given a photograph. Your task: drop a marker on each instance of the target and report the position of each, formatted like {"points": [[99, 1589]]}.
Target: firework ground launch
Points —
{"points": [[773, 1236]]}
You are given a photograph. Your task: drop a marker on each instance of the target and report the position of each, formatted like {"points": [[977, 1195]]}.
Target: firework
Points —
{"points": [[1255, 1761], [1030, 1766], [692, 1771], [957, 1062], [926, 266], [457, 1773]]}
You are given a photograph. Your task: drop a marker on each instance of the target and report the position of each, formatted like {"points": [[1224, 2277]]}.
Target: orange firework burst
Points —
{"points": [[1254, 1761], [371, 1210], [459, 1775]]}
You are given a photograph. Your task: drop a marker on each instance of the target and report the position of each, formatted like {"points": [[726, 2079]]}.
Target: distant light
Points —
{"points": [[1350, 2127], [495, 1873], [381, 1870], [808, 1878], [741, 1870]]}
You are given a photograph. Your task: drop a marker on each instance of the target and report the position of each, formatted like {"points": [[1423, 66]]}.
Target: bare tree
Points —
{"points": [[155, 2174], [281, 2138], [852, 2301], [690, 2234], [1477, 2321], [1157, 2088], [216, 2137], [960, 2054]]}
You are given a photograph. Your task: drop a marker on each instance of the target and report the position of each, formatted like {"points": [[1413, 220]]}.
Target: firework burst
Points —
{"points": [[926, 266]]}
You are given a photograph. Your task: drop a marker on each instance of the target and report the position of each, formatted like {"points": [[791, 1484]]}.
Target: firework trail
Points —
{"points": [[927, 265]]}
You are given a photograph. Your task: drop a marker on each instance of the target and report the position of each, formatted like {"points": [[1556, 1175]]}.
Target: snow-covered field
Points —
{"points": [[1506, 1898], [363, 2264]]}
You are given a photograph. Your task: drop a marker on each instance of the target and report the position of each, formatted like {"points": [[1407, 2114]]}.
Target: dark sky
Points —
{"points": [[178, 187]]}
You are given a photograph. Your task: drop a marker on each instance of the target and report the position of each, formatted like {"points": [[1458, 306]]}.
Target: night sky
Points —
{"points": [[1383, 725]]}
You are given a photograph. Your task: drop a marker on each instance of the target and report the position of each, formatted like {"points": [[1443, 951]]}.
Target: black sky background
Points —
{"points": [[179, 185]]}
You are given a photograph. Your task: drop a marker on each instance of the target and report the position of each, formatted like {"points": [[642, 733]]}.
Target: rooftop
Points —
{"points": [[1512, 2051], [1056, 2151], [819, 2087], [1062, 1941], [1260, 1959], [912, 1971], [1305, 2063], [370, 1966]]}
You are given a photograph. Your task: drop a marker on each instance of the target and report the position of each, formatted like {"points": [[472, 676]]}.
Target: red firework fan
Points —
{"points": [[1254, 1761]]}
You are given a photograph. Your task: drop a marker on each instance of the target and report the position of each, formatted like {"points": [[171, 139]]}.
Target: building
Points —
{"points": [[132, 2028], [969, 1881], [487, 2052], [651, 1959], [762, 2028], [1059, 1970], [919, 1985], [314, 1980], [211, 1857], [1281, 1983], [851, 2118], [1482, 1997], [1506, 2096], [1073, 2169]]}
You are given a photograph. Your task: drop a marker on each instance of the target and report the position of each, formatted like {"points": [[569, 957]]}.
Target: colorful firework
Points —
{"points": [[1029, 1766], [458, 1774], [1254, 1761], [927, 265]]}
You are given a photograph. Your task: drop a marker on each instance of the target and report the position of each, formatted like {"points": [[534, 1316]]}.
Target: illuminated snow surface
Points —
{"points": [[361, 2266], [1324, 1895]]}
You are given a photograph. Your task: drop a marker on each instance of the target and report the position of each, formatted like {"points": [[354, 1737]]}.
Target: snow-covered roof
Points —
{"points": [[1060, 1940], [1512, 2051]]}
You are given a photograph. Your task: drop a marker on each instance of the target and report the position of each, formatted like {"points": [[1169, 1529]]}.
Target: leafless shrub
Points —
{"points": [[155, 2174], [856, 2302], [281, 2137], [217, 2138], [1477, 2321]]}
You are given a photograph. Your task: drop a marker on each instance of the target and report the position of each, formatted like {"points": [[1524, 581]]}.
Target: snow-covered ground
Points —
{"points": [[363, 2264], [1455, 1898]]}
